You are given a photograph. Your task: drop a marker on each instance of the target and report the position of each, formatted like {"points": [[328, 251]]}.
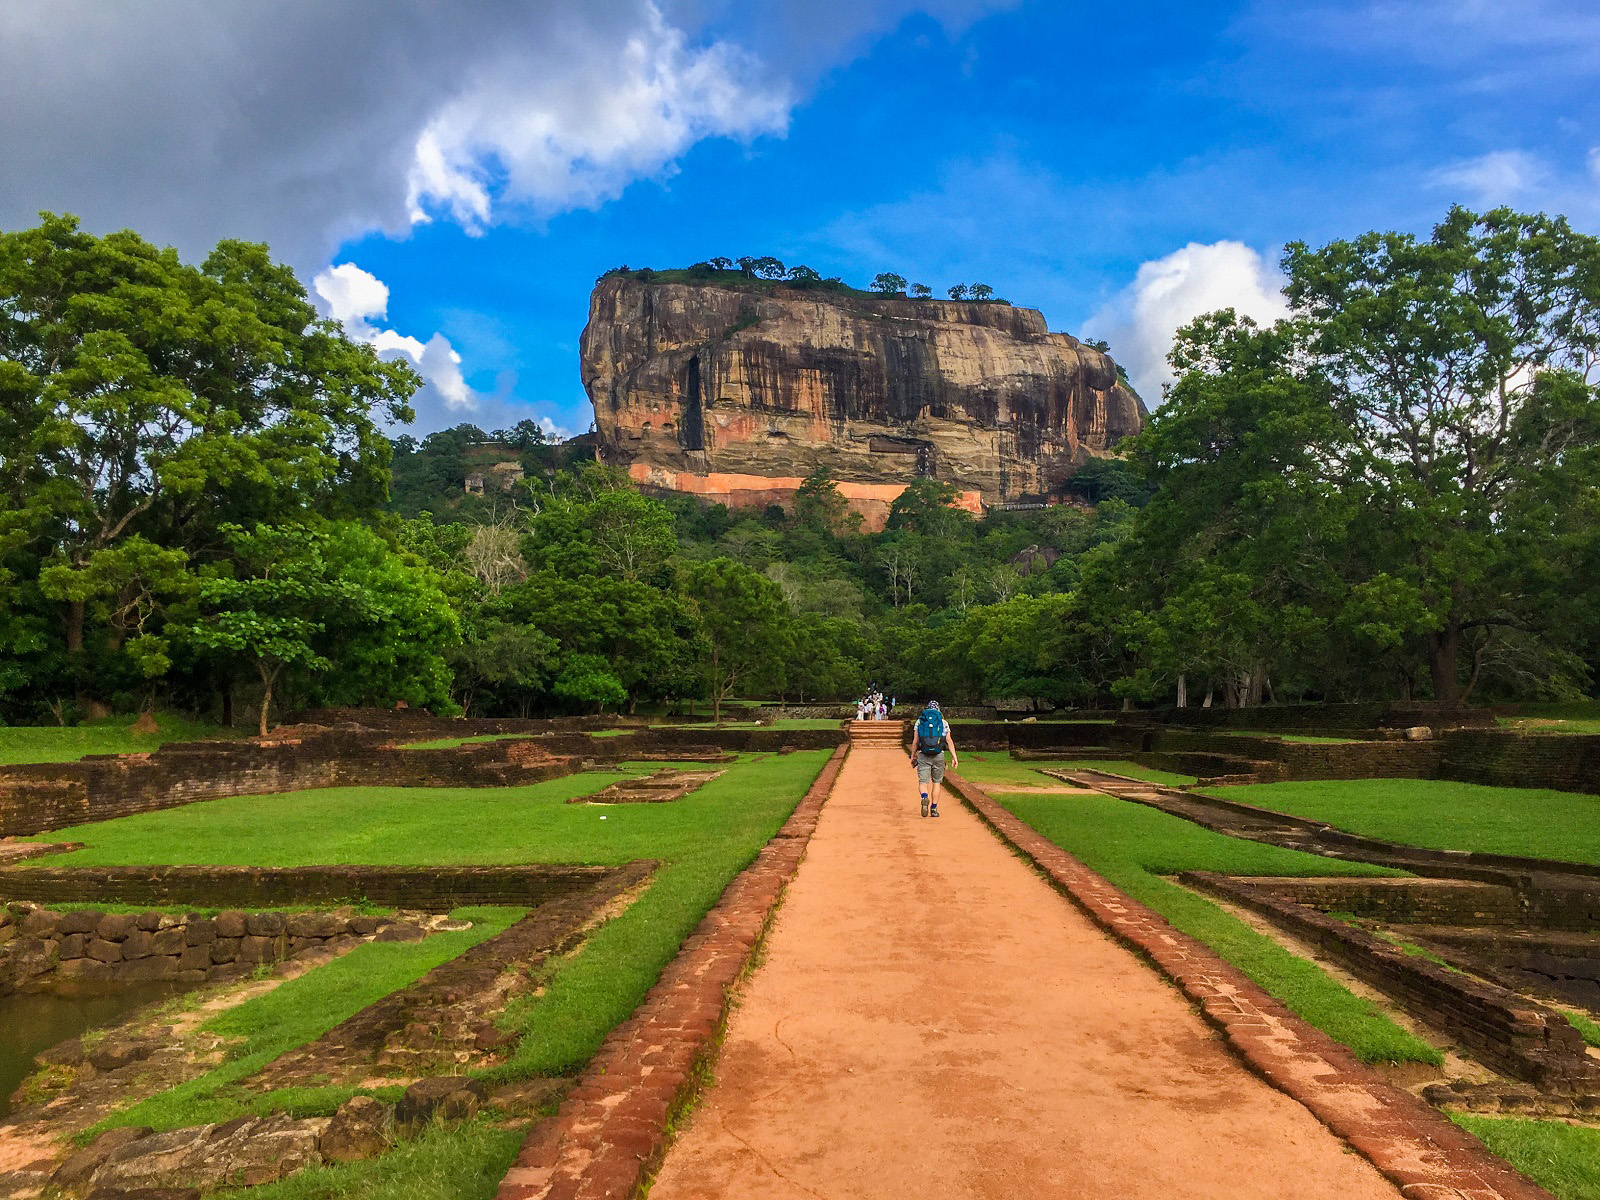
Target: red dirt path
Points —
{"points": [[934, 1020]]}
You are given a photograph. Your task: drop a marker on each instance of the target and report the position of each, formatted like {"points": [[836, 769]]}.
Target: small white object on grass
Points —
{"points": [[603, 816]]}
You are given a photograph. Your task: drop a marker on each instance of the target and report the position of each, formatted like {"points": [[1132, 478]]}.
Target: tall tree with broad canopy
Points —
{"points": [[744, 623], [141, 397], [1464, 365]]}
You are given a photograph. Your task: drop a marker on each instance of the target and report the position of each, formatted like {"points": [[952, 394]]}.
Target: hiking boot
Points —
{"points": [[933, 810], [924, 806]]}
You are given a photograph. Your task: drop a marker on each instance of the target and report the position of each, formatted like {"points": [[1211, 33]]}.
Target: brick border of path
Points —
{"points": [[611, 1130], [1414, 1146]]}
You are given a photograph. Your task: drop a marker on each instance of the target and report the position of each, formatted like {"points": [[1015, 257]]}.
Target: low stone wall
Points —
{"points": [[38, 798], [1376, 759], [1566, 762], [435, 889], [1508, 1032], [45, 950], [1327, 719], [1405, 901]]}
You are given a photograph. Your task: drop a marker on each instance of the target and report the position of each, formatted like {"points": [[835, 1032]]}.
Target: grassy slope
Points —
{"points": [[49, 743], [1563, 1159], [997, 767], [1444, 815], [701, 841], [297, 1012], [1133, 846]]}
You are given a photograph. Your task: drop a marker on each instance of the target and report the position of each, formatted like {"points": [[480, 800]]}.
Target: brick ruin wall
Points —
{"points": [[1566, 762], [435, 889], [1507, 1031]]}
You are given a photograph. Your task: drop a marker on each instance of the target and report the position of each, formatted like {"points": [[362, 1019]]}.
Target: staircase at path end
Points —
{"points": [[877, 733]]}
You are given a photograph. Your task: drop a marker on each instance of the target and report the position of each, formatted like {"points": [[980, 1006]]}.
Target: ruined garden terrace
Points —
{"points": [[301, 978]]}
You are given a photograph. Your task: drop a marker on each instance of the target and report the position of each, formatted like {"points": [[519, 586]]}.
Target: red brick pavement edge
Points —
{"points": [[1410, 1143], [611, 1130]]}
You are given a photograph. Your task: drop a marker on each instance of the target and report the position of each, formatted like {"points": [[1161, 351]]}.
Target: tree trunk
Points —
{"points": [[1444, 651], [1183, 691], [227, 704], [268, 678], [74, 624]]}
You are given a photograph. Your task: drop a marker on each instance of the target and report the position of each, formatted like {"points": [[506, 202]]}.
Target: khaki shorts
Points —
{"points": [[930, 767]]}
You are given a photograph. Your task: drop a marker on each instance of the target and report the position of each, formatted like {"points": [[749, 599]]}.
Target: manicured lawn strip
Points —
{"points": [[299, 1011], [991, 769], [410, 826], [1132, 846], [1554, 725], [1131, 769], [454, 743], [49, 743], [1443, 815], [462, 1163], [1563, 1159]]}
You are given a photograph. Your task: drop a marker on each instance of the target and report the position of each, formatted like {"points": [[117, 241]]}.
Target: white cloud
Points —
{"points": [[576, 136], [355, 298], [1168, 293], [307, 125], [1499, 177]]}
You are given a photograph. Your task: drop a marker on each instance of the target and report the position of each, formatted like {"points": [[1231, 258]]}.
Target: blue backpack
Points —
{"points": [[930, 730]]}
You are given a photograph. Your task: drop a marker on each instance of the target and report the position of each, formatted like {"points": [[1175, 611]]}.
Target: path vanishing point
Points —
{"points": [[932, 1019]]}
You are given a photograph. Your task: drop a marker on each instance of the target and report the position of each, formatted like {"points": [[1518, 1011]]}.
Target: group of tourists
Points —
{"points": [[874, 706]]}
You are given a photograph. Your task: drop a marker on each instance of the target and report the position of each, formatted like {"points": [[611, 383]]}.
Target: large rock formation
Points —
{"points": [[736, 392]]}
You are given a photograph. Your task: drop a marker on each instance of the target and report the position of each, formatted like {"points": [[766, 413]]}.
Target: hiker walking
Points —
{"points": [[927, 755]]}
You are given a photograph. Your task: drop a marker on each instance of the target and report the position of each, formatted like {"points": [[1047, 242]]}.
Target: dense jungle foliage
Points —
{"points": [[1394, 493]]}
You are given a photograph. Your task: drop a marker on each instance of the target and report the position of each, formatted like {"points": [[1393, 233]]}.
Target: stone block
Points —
{"points": [[443, 1098], [80, 1166], [71, 946], [401, 932], [315, 925], [229, 924], [200, 931], [80, 921], [88, 970], [228, 972], [169, 941], [103, 951], [149, 921], [114, 927], [138, 944], [366, 926], [148, 969], [63, 1054], [115, 1053], [194, 958], [225, 950], [362, 1128], [261, 949], [39, 923], [264, 924]]}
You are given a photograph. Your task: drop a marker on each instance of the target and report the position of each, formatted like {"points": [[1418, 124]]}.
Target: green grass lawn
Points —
{"points": [[1443, 815], [51, 743], [702, 841], [452, 743], [1563, 1159], [1133, 846], [996, 768]]}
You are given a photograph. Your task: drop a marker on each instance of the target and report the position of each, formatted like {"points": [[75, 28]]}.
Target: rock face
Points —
{"points": [[737, 392]]}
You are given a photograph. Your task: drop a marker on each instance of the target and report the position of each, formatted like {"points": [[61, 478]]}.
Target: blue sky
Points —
{"points": [[1120, 167]]}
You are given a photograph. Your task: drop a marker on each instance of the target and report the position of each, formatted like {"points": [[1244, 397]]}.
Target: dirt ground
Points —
{"points": [[932, 1019]]}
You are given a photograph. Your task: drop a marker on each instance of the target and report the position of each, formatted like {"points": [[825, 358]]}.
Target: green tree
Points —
{"points": [[142, 397], [743, 622], [888, 283], [819, 505], [1440, 351], [957, 291], [920, 291]]}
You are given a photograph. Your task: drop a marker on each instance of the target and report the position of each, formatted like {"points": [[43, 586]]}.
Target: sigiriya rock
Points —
{"points": [[737, 392]]}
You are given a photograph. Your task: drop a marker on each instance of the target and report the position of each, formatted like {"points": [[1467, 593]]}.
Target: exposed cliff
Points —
{"points": [[738, 392]]}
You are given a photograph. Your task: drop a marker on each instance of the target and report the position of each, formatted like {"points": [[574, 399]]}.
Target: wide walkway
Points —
{"points": [[932, 1019]]}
